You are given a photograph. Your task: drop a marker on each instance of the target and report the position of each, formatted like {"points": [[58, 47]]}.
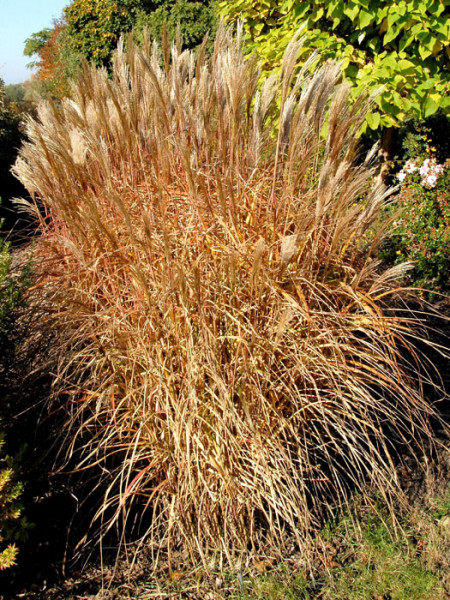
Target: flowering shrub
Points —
{"points": [[421, 138], [423, 229], [429, 172]]}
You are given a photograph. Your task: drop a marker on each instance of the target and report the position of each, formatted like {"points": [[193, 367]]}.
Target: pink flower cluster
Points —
{"points": [[429, 171]]}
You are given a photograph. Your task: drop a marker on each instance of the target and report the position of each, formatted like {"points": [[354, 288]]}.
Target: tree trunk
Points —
{"points": [[386, 153]]}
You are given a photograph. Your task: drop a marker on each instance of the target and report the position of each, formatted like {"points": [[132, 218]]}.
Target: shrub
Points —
{"points": [[418, 139], [10, 293], [9, 510], [11, 288], [422, 232], [231, 363], [10, 139]]}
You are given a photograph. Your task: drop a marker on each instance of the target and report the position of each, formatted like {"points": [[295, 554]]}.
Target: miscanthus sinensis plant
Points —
{"points": [[229, 360]]}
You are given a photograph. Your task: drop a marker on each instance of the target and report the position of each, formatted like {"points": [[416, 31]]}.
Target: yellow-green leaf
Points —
{"points": [[373, 120]]}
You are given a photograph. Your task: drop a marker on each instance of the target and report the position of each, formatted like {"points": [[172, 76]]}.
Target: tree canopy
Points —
{"points": [[194, 18], [15, 92], [90, 29], [94, 26], [56, 60], [400, 47]]}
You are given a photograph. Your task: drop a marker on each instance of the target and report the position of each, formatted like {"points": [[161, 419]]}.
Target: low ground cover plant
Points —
{"points": [[231, 364]]}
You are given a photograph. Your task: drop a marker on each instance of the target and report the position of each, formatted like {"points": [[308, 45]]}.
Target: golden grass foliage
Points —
{"points": [[230, 363]]}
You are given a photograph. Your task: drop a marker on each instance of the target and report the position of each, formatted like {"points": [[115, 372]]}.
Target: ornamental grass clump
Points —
{"points": [[207, 250]]}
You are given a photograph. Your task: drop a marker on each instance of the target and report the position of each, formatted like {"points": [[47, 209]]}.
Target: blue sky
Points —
{"points": [[18, 20]]}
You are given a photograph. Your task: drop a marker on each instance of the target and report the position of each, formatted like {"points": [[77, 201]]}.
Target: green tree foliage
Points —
{"points": [[90, 29], [194, 19], [94, 26], [401, 47], [15, 92], [35, 43], [56, 61]]}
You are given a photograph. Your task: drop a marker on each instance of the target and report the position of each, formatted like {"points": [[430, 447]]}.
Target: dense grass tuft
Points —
{"points": [[229, 361]]}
